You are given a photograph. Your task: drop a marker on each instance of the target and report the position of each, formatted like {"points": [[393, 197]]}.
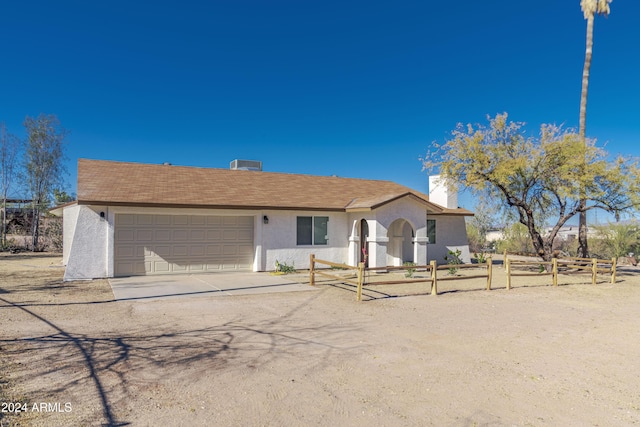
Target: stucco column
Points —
{"points": [[258, 248], [110, 242], [420, 250], [354, 250], [378, 251]]}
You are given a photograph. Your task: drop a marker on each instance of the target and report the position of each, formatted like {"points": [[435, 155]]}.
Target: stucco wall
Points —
{"points": [[87, 249], [69, 221], [279, 240], [451, 234]]}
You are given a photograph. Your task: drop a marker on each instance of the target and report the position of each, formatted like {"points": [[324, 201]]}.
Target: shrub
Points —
{"points": [[453, 258], [284, 268], [410, 271]]}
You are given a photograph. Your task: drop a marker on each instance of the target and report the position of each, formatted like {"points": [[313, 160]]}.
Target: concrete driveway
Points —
{"points": [[210, 284]]}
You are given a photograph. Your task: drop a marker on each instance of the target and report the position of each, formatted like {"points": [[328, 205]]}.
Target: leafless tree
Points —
{"points": [[9, 149], [44, 168]]}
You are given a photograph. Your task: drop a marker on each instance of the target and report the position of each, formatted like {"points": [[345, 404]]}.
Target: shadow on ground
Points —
{"points": [[101, 364]]}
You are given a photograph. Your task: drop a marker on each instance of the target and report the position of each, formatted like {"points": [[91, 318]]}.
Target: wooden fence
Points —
{"points": [[589, 265], [435, 267], [360, 271], [568, 265], [509, 265]]}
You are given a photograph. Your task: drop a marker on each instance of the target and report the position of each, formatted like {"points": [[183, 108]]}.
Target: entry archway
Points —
{"points": [[400, 247]]}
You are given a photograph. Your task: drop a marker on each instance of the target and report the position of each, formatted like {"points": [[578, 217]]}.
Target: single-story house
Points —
{"points": [[143, 219]]}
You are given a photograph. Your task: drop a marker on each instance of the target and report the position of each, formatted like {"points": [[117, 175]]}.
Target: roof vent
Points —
{"points": [[245, 165]]}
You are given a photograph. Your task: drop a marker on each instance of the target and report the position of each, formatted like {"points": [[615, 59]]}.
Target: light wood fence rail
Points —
{"points": [[360, 271], [569, 265]]}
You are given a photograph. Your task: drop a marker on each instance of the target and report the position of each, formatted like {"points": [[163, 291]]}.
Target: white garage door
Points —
{"points": [[163, 244]]}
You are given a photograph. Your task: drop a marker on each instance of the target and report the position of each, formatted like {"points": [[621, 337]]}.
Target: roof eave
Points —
{"points": [[360, 209], [461, 212], [429, 205], [59, 210], [204, 206]]}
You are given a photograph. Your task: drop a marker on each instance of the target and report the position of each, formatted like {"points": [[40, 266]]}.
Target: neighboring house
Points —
{"points": [[495, 234], [141, 219], [18, 215], [566, 233]]}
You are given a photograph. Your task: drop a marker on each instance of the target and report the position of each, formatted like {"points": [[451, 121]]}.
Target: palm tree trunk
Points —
{"points": [[585, 78], [583, 246]]}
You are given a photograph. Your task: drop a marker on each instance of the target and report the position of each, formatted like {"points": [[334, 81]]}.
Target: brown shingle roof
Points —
{"points": [[135, 184]]}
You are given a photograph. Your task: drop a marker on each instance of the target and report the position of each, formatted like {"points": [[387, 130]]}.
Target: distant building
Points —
{"points": [[18, 213]]}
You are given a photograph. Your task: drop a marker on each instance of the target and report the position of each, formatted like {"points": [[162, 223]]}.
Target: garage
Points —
{"points": [[147, 244]]}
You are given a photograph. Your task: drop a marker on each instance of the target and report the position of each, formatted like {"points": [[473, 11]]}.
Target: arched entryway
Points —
{"points": [[400, 247]]}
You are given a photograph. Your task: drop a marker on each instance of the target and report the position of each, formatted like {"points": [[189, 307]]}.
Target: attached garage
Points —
{"points": [[162, 244]]}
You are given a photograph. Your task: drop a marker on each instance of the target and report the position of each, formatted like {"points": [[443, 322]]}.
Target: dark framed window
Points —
{"points": [[312, 230], [431, 230]]}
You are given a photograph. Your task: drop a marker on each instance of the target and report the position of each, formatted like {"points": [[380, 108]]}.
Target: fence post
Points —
{"points": [[489, 272], [613, 270], [504, 258], [360, 280], [594, 270], [554, 270], [508, 268], [312, 274], [434, 277]]}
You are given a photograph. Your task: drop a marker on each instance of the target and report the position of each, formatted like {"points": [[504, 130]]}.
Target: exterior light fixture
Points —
{"points": [[265, 219]]}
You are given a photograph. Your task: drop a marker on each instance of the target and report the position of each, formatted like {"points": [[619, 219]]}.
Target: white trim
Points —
{"points": [[380, 239]]}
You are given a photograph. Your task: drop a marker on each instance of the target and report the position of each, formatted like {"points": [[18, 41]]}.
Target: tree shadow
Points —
{"points": [[48, 285], [107, 359], [371, 294], [28, 255]]}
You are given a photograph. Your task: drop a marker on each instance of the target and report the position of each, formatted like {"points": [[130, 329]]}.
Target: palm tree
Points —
{"points": [[590, 8]]}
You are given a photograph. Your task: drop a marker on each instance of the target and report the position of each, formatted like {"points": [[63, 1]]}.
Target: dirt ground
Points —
{"points": [[535, 355]]}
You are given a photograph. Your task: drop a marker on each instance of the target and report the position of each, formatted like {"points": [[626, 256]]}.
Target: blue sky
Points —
{"points": [[347, 88]]}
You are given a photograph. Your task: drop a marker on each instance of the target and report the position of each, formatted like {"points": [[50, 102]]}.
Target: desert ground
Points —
{"points": [[535, 355]]}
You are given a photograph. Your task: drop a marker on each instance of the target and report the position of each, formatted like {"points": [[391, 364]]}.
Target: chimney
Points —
{"points": [[440, 194]]}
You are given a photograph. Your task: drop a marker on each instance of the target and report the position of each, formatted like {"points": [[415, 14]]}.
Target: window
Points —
{"points": [[431, 230], [305, 230], [312, 230]]}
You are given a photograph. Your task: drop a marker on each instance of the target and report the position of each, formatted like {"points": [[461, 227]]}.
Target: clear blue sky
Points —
{"points": [[347, 88]]}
